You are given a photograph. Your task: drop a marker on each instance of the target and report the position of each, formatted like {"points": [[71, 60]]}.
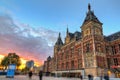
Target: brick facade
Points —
{"points": [[85, 52]]}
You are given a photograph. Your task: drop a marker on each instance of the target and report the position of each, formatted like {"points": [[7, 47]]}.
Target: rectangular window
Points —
{"points": [[119, 47], [79, 51], [87, 47], [113, 50], [67, 54], [61, 56], [115, 61], [62, 67], [67, 65], [98, 47], [79, 63], [86, 62], [72, 50], [107, 49], [109, 62], [72, 64]]}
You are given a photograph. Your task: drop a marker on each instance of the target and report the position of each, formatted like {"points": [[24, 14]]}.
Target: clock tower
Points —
{"points": [[93, 44], [91, 25]]}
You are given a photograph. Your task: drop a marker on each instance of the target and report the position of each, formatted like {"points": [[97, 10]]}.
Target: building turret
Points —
{"points": [[90, 16], [59, 41], [67, 39], [58, 44], [67, 33], [93, 42], [91, 24], [49, 58]]}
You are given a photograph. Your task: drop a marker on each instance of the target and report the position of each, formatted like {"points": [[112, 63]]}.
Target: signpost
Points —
{"points": [[11, 71]]}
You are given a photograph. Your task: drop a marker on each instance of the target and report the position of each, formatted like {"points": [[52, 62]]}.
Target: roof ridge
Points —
{"points": [[113, 33]]}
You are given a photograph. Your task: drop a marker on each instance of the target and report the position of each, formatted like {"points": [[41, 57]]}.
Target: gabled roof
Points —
{"points": [[76, 35], [59, 41], [113, 36], [49, 58], [71, 35]]}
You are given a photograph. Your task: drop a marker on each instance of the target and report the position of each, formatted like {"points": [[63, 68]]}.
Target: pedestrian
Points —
{"points": [[81, 77], [30, 74], [89, 77], [101, 77], [106, 77], [40, 74], [92, 77]]}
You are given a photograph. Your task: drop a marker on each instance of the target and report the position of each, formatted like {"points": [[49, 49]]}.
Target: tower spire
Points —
{"points": [[59, 35], [90, 16], [89, 7], [59, 40], [67, 29]]}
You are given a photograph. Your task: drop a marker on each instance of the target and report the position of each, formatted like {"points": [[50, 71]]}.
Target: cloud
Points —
{"points": [[31, 43]]}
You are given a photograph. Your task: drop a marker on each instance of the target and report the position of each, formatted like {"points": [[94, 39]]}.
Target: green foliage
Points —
{"points": [[5, 62], [12, 58]]}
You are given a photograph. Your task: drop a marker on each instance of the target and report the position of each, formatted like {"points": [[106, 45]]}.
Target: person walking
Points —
{"points": [[30, 74], [101, 77], [81, 77], [106, 77], [89, 77], [92, 77], [40, 75]]}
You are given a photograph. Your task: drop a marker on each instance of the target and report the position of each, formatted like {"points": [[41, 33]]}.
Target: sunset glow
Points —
{"points": [[1, 57], [23, 62], [32, 35]]}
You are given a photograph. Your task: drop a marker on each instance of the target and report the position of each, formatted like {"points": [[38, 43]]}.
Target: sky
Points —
{"points": [[30, 27]]}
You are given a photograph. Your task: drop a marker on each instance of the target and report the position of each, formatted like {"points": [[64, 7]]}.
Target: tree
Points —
{"points": [[4, 62], [11, 58]]}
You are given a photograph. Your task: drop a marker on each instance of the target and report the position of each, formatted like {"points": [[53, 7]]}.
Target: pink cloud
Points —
{"points": [[25, 41]]}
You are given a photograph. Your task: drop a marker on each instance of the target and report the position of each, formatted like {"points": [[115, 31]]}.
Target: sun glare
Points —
{"points": [[23, 63]]}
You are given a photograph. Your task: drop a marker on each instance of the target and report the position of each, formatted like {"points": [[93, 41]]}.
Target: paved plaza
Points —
{"points": [[25, 77]]}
